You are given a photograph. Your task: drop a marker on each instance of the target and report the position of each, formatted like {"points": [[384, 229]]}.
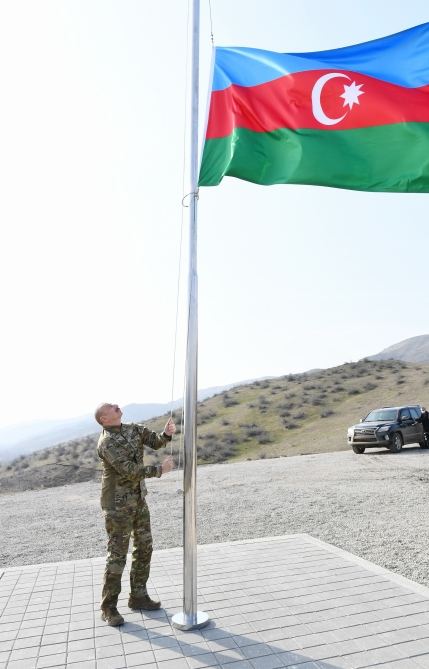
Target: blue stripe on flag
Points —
{"points": [[401, 59]]}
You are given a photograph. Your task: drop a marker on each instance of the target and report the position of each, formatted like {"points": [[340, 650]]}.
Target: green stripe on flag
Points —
{"points": [[388, 158]]}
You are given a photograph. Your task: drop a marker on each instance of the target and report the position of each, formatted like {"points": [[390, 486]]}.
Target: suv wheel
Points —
{"points": [[358, 449], [396, 446]]}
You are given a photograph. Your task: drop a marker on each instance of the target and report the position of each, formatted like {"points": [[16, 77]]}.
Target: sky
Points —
{"points": [[94, 154]]}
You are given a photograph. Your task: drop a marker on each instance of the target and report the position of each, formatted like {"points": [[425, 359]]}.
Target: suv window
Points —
{"points": [[404, 414], [415, 414], [381, 414]]}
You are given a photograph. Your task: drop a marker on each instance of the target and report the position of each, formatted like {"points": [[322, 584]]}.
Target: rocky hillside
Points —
{"points": [[288, 415], [414, 349]]}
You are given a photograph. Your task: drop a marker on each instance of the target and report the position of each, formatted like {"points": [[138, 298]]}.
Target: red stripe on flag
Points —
{"points": [[310, 100]]}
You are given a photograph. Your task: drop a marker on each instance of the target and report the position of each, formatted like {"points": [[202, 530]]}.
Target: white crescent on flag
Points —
{"points": [[318, 112]]}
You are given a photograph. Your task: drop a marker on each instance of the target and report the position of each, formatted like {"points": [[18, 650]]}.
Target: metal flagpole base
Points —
{"points": [[185, 622]]}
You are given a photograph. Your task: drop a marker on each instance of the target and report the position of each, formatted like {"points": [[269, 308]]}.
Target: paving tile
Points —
{"points": [[267, 662], [108, 651], [111, 663], [56, 628], [203, 660], [140, 659], [88, 664], [28, 663], [27, 642], [8, 635], [402, 664], [78, 635], [256, 650], [189, 650], [168, 654], [137, 647], [30, 631], [53, 649], [171, 664], [51, 660], [83, 655], [80, 644], [24, 653], [160, 642]]}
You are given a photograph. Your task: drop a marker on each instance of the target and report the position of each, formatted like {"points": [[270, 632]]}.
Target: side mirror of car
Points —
{"points": [[361, 420]]}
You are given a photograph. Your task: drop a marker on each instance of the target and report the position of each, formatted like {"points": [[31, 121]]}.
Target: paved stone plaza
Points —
{"points": [[288, 601]]}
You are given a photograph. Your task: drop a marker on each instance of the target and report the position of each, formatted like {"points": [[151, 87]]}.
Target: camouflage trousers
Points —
{"points": [[130, 520]]}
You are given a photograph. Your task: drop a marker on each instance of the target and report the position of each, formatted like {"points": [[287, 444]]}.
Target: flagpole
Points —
{"points": [[190, 617]]}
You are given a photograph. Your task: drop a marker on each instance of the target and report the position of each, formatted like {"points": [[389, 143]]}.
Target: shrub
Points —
{"points": [[213, 451], [230, 438], [254, 431], [326, 413], [229, 402], [299, 416], [370, 386], [354, 391], [286, 406]]}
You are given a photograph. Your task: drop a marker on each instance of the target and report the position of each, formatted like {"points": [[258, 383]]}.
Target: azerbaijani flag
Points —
{"points": [[355, 117]]}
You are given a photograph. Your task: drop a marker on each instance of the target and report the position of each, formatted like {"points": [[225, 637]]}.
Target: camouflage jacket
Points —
{"points": [[121, 452]]}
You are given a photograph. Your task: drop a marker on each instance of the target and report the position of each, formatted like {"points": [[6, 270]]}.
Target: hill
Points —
{"points": [[289, 415], [414, 349], [25, 438]]}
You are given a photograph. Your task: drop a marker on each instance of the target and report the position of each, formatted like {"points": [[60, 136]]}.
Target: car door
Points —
{"points": [[419, 434], [407, 426]]}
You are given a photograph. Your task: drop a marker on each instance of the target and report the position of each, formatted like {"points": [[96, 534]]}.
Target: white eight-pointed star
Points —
{"points": [[351, 94]]}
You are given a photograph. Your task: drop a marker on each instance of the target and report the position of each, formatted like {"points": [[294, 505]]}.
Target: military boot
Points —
{"points": [[143, 601], [111, 616]]}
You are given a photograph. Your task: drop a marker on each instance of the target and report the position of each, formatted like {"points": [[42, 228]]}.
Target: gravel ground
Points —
{"points": [[374, 505]]}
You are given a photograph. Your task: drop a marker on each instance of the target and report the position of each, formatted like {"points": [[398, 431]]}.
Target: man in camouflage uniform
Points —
{"points": [[123, 491]]}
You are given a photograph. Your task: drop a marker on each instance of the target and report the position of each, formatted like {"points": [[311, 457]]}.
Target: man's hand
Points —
{"points": [[170, 427], [167, 464]]}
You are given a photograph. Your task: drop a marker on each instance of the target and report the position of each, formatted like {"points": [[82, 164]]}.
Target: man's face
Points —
{"points": [[111, 414]]}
